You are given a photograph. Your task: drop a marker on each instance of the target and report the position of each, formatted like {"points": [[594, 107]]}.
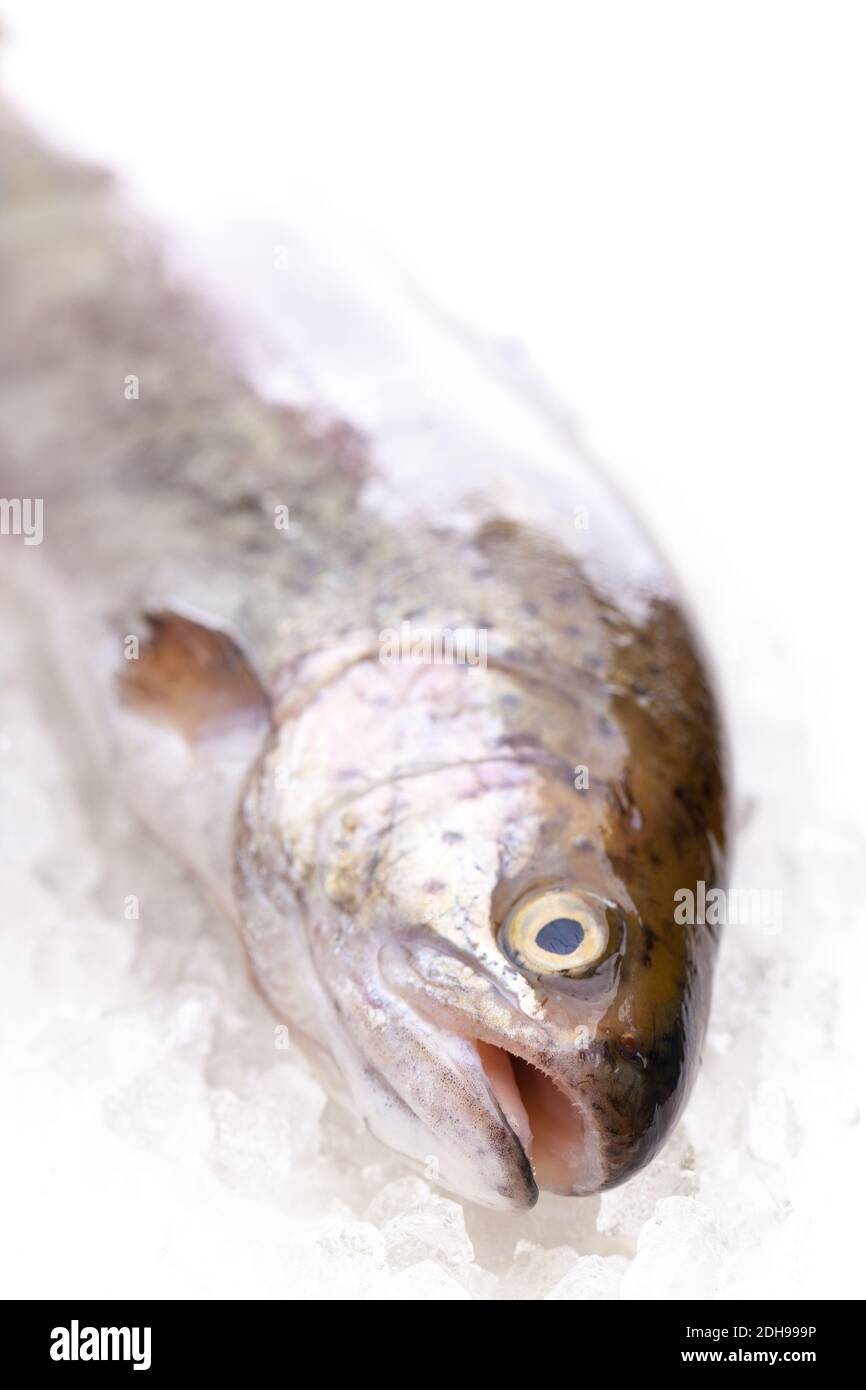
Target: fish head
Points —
{"points": [[488, 927]]}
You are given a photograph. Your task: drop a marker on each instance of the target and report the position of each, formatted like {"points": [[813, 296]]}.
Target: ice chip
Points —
{"points": [[593, 1277], [425, 1282], [681, 1253]]}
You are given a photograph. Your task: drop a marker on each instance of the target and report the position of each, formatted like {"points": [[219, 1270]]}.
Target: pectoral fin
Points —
{"points": [[192, 677]]}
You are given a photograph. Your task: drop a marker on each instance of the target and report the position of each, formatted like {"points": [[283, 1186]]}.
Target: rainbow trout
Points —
{"points": [[405, 684]]}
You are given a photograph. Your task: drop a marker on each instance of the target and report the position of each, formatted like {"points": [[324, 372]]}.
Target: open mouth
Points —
{"points": [[554, 1131]]}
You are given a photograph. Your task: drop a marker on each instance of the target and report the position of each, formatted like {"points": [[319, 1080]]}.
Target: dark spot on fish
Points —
{"points": [[616, 1104], [248, 502], [518, 741], [694, 812], [435, 886], [452, 837], [681, 833], [549, 828], [604, 726], [498, 528]]}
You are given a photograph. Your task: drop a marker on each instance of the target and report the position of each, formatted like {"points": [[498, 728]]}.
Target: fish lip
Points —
{"points": [[590, 1143], [494, 1096], [457, 1019], [520, 1191], [522, 1197]]}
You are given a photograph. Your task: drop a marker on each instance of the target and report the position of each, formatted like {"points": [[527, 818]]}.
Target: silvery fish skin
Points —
{"points": [[455, 878]]}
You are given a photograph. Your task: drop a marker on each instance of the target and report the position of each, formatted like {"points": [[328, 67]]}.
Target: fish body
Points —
{"points": [[412, 692]]}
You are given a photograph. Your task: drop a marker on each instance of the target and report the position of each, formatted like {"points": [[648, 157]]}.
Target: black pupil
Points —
{"points": [[561, 936]]}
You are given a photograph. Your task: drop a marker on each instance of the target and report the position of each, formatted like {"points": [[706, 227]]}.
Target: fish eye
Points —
{"points": [[558, 932]]}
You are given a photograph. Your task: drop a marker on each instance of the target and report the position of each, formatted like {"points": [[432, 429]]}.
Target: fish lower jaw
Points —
{"points": [[557, 1133]]}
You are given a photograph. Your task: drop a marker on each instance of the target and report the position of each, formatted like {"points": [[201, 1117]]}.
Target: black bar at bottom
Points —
{"points": [[167, 1338]]}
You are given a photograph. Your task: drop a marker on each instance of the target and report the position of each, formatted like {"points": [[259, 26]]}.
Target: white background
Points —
{"points": [[664, 203]]}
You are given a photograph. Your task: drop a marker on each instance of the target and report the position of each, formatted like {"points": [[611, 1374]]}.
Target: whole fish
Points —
{"points": [[405, 684]]}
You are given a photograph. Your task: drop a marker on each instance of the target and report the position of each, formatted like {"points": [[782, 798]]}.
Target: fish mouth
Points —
{"points": [[554, 1129], [517, 1079]]}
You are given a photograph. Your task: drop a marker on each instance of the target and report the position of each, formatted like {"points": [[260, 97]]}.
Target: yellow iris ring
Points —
{"points": [[559, 916]]}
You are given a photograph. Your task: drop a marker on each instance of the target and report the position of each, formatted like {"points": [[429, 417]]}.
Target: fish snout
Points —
{"points": [[554, 1091]]}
